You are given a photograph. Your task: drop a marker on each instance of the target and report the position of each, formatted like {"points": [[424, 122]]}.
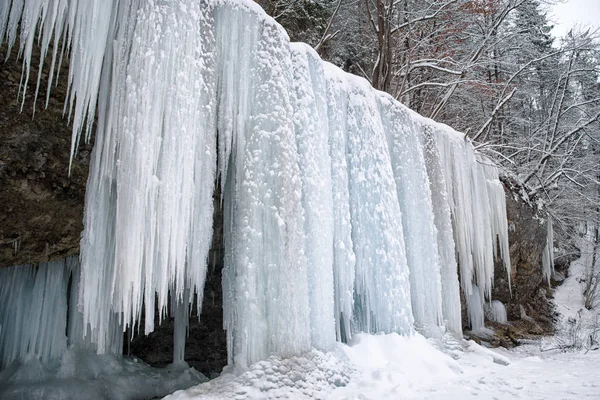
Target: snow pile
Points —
{"points": [[312, 375], [343, 209], [393, 366], [370, 366]]}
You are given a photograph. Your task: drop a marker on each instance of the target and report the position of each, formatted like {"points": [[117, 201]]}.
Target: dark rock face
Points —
{"points": [[41, 206], [529, 292], [205, 347]]}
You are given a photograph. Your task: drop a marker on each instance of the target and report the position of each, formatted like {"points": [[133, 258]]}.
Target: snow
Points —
{"points": [[577, 328], [530, 375], [391, 366]]}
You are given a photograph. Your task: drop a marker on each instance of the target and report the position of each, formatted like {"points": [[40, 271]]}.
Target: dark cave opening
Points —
{"points": [[206, 345]]}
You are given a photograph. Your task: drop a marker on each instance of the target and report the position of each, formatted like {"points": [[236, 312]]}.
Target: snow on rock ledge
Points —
{"points": [[343, 209]]}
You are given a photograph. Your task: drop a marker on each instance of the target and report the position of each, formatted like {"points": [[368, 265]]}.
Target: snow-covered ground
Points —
{"points": [[396, 367]]}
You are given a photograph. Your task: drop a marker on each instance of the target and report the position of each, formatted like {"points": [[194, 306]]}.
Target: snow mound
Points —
{"points": [[313, 375], [369, 367], [393, 366]]}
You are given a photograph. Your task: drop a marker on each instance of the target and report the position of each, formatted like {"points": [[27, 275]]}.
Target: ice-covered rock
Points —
{"points": [[343, 209]]}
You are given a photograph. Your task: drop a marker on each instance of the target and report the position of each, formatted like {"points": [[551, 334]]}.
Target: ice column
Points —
{"points": [[265, 279], [498, 312], [344, 260], [475, 309], [312, 133], [382, 286], [412, 186], [181, 313], [548, 254], [441, 209]]}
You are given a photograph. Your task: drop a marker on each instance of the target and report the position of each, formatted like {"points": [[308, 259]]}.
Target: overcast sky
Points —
{"points": [[571, 12]]}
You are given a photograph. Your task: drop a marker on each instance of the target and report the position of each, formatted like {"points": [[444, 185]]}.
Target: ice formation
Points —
{"points": [[498, 312], [33, 316], [548, 254], [344, 210], [475, 312], [39, 315]]}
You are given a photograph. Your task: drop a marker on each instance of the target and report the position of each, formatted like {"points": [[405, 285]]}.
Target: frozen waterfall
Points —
{"points": [[345, 211]]}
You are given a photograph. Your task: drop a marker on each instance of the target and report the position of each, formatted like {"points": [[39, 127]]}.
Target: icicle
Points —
{"points": [[420, 236], [548, 253], [478, 208], [498, 312], [148, 214], [312, 130], [33, 316], [455, 167], [441, 210], [344, 258], [87, 29], [483, 247], [498, 214]]}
